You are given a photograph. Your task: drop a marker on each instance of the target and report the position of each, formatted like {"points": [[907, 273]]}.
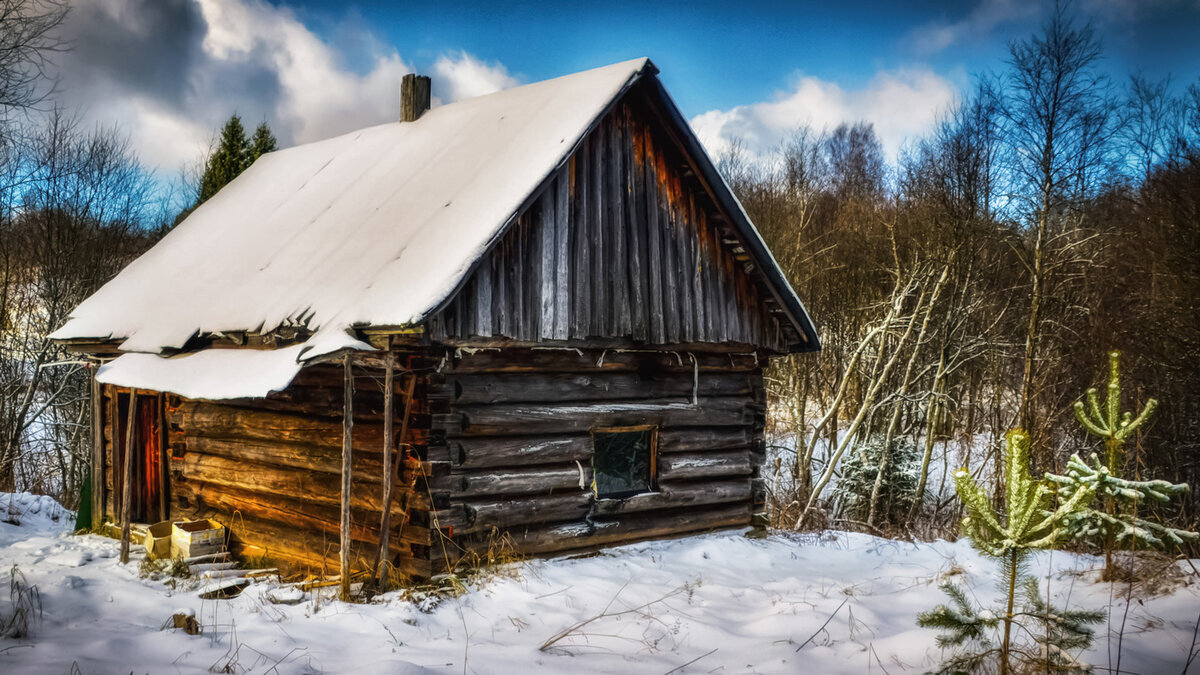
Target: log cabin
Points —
{"points": [[537, 319]]}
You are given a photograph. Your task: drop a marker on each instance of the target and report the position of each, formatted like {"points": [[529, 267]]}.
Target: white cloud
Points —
{"points": [[461, 76], [170, 72], [902, 104], [978, 23]]}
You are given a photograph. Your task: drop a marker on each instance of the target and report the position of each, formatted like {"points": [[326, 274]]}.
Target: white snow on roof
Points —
{"points": [[213, 374], [376, 227]]}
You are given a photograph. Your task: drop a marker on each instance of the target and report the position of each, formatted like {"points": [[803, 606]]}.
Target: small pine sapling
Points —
{"points": [[1030, 522], [1116, 521]]}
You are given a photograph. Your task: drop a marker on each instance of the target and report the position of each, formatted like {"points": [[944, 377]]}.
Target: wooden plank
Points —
{"points": [[582, 272], [683, 264], [635, 210], [618, 228], [546, 266], [667, 268], [214, 420], [601, 258], [562, 258], [97, 452], [127, 473], [389, 474], [654, 256], [347, 468], [484, 307]]}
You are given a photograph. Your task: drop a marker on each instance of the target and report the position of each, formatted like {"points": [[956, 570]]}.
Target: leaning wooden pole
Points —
{"points": [[347, 429], [389, 481], [127, 472]]}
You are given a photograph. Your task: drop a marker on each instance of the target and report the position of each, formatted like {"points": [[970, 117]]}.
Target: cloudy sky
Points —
{"points": [[170, 71]]}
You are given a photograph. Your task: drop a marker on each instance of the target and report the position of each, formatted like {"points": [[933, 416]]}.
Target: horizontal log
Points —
{"points": [[517, 512], [489, 452], [698, 439], [707, 465], [568, 360], [514, 419], [214, 420], [367, 465], [575, 536], [297, 552], [677, 496], [542, 480], [595, 386], [474, 453], [301, 514], [316, 486]]}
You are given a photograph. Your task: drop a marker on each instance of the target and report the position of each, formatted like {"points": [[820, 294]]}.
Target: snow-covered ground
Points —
{"points": [[720, 603]]}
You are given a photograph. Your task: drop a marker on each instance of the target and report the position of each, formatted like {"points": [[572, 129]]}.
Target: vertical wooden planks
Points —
{"points": [[654, 259], [618, 226], [546, 266], [389, 472], [581, 289], [562, 258], [597, 222], [635, 209], [666, 265], [483, 298]]}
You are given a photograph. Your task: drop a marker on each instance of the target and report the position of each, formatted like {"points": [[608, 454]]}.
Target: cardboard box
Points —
{"points": [[158, 539], [197, 537]]}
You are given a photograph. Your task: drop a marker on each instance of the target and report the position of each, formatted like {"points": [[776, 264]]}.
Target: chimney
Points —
{"points": [[414, 97]]}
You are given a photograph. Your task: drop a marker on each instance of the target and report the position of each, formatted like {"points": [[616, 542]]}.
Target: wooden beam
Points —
{"points": [[389, 472], [127, 481], [347, 430], [97, 452]]}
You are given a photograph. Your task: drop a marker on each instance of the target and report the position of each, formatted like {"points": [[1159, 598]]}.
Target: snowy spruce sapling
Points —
{"points": [[1029, 521], [1115, 520]]}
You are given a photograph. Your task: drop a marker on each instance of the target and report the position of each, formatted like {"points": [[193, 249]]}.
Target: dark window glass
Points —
{"points": [[624, 461]]}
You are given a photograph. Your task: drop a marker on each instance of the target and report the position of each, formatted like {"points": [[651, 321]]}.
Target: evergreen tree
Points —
{"points": [[898, 487], [1117, 519], [262, 143], [1028, 523], [234, 154]]}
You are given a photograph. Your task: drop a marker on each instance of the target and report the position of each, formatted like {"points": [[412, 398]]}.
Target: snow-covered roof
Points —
{"points": [[212, 374], [375, 227]]}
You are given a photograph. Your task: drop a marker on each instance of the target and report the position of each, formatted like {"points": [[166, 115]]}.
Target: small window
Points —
{"points": [[624, 460]]}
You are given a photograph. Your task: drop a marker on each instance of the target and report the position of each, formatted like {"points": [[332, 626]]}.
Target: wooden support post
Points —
{"points": [[97, 452], [347, 429], [164, 477], [127, 480], [389, 471]]}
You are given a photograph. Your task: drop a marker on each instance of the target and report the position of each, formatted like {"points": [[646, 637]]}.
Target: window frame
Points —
{"points": [[652, 487]]}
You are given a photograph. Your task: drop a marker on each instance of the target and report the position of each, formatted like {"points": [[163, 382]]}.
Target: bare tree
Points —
{"points": [[27, 39], [1055, 107]]}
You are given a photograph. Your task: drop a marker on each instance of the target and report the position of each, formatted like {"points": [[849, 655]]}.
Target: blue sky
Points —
{"points": [[170, 71]]}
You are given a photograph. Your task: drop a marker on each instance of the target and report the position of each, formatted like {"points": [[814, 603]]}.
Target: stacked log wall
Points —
{"points": [[517, 438], [270, 470]]}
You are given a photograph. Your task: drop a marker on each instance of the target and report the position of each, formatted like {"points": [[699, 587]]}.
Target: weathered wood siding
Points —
{"points": [[516, 434], [622, 243]]}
